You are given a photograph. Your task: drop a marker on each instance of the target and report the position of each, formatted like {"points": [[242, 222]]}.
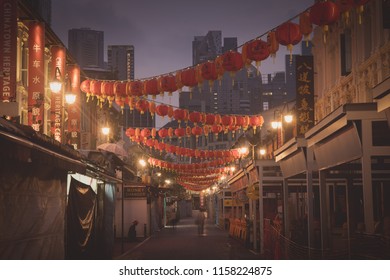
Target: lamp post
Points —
{"points": [[59, 85], [278, 125]]}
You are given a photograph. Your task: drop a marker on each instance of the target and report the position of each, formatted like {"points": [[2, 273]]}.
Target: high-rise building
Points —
{"points": [[87, 47], [206, 47], [121, 61]]}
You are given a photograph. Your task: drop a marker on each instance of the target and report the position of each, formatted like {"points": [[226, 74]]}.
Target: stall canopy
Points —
{"points": [[33, 173]]}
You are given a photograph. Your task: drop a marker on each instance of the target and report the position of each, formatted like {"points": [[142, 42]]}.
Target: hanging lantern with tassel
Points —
{"points": [[288, 34], [324, 14], [305, 26]]}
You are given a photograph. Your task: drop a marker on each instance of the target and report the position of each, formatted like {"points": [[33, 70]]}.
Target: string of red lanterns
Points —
{"points": [[322, 13]]}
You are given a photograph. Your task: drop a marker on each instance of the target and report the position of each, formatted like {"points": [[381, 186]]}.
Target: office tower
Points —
{"points": [[121, 61], [87, 47], [206, 47]]}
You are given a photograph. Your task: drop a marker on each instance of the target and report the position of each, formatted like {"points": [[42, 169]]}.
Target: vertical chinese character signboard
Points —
{"points": [[36, 77], [74, 111], [57, 72], [8, 35], [305, 94]]}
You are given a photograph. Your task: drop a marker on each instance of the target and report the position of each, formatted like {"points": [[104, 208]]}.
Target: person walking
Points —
{"points": [[200, 221]]}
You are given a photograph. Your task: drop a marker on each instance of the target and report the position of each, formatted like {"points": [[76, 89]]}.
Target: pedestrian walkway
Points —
{"points": [[183, 242]]}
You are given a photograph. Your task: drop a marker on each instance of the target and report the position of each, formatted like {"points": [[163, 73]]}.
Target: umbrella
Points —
{"points": [[113, 148]]}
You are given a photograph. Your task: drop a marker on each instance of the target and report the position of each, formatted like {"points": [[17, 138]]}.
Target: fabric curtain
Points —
{"points": [[32, 211], [81, 221]]}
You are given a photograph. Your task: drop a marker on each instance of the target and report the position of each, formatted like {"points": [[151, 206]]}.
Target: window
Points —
{"points": [[346, 52], [265, 105]]}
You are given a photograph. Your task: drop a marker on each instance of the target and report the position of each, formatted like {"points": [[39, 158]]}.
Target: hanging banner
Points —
{"points": [[36, 77], [74, 109], [305, 94], [57, 99], [8, 35]]}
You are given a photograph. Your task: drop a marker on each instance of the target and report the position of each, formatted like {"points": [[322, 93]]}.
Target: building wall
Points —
{"points": [[121, 61], [368, 59]]}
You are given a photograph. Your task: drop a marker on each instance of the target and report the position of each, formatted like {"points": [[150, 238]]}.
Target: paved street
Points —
{"points": [[184, 243]]}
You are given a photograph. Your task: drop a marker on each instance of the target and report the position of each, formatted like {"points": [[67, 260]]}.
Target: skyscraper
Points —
{"points": [[206, 47], [121, 61], [87, 47]]}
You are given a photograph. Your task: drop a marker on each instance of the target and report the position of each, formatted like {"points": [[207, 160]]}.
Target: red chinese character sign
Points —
{"points": [[36, 77], [58, 63], [305, 94], [74, 109]]}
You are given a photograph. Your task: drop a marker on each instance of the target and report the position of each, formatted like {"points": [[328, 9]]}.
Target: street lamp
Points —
{"points": [[56, 84]]}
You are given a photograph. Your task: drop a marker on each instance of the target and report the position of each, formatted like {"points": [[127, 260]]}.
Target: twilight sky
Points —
{"points": [[162, 31]]}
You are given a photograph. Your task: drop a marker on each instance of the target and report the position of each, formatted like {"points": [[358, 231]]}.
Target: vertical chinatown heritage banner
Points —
{"points": [[305, 94], [58, 56], [36, 77], [8, 35], [74, 110]]}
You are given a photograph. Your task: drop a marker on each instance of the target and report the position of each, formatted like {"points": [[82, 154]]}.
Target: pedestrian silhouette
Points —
{"points": [[200, 221]]}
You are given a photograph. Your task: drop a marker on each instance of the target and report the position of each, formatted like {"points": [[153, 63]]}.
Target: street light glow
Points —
{"points": [[262, 152], [70, 98], [142, 162], [105, 130], [276, 124], [288, 118]]}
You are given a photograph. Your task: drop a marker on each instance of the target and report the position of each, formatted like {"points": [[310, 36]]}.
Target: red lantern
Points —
{"points": [[179, 115], [206, 129], [288, 34], [153, 132], [188, 131], [195, 117], [180, 132], [273, 43], [188, 77], [170, 149], [232, 62], [142, 106], [256, 50], [170, 132], [245, 123], [161, 146], [162, 133], [170, 112], [256, 121], [120, 92], [84, 86], [130, 132], [209, 72], [219, 68], [135, 88], [305, 25], [226, 122], [210, 119], [216, 129], [152, 108], [167, 84], [162, 110], [197, 130], [323, 14], [95, 88], [179, 83], [150, 143], [145, 132], [151, 88], [108, 91], [131, 102]]}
